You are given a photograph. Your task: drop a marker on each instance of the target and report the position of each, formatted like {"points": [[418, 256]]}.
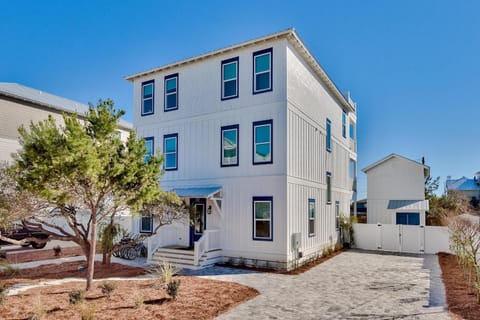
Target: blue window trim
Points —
{"points": [[257, 53], [166, 136], [153, 98], [314, 217], [143, 216], [224, 62], [344, 124], [328, 143], [224, 128], [329, 192], [270, 199], [153, 147], [170, 76], [260, 123]]}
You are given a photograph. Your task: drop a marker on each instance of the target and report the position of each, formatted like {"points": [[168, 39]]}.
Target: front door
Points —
{"points": [[199, 219]]}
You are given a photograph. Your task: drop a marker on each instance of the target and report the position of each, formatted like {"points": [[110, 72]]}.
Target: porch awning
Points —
{"points": [[408, 205], [196, 192]]}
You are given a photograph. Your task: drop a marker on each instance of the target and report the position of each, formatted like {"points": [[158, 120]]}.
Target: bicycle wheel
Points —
{"points": [[130, 253], [123, 253]]}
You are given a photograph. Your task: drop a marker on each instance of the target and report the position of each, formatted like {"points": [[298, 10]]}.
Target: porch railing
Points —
{"points": [[210, 240], [165, 237]]}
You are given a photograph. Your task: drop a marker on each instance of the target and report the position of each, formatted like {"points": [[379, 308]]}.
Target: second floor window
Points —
{"points": [[344, 124], [229, 150], [329, 135], [170, 150], [262, 142], [230, 78], [150, 148], [147, 97], [171, 92], [329, 188], [262, 71]]}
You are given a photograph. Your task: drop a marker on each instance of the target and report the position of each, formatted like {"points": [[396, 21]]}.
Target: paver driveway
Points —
{"points": [[352, 285]]}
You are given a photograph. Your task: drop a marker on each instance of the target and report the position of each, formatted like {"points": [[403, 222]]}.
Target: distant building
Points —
{"points": [[19, 105], [469, 188], [396, 191]]}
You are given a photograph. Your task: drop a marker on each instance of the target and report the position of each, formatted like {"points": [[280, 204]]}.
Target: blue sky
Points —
{"points": [[413, 67]]}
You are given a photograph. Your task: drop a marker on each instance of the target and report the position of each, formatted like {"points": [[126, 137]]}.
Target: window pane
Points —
{"points": [[171, 85], [171, 101], [311, 211], [170, 160], [262, 81], [148, 106], [329, 135], [147, 91], [230, 88], [262, 152], [146, 223], [329, 188], [229, 71], [311, 226], [262, 210], [170, 145], [262, 229], [230, 155], [262, 134], [229, 138], [262, 63]]}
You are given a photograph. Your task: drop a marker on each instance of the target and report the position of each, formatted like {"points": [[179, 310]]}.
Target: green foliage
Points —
{"points": [[107, 235], [444, 206], [76, 296], [346, 223], [431, 185], [6, 269], [172, 288], [164, 273]]}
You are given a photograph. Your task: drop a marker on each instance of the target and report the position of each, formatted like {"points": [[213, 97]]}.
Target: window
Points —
{"points": [[230, 78], [262, 142], [329, 188], [146, 223], [311, 217], [149, 145], [262, 71], [147, 97], [408, 218], [329, 135], [171, 92], [229, 143], [344, 124], [170, 149], [352, 130], [337, 215], [262, 218]]}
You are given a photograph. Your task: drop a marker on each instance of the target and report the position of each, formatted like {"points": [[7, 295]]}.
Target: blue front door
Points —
{"points": [[408, 218], [199, 219]]}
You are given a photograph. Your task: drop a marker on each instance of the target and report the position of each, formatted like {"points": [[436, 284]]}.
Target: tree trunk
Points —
{"points": [[91, 255]]}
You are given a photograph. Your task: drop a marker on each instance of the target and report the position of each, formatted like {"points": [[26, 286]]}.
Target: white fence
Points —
{"points": [[401, 238]]}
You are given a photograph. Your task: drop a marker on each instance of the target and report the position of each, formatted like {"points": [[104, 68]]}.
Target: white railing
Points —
{"points": [[210, 240], [166, 236]]}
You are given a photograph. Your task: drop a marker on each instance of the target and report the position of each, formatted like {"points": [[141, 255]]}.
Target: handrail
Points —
{"points": [[210, 240]]}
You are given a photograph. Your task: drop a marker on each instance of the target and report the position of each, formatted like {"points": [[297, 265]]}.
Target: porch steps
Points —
{"points": [[184, 258]]}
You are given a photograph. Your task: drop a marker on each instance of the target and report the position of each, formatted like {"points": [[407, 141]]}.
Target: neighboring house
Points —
{"points": [[259, 141], [469, 188], [19, 105], [396, 191]]}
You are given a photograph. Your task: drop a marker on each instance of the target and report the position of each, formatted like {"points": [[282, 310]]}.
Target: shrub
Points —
{"points": [[172, 288], [87, 311], [338, 246], [76, 296], [138, 297], [108, 288], [3, 292], [325, 252], [39, 310], [57, 250], [165, 271]]}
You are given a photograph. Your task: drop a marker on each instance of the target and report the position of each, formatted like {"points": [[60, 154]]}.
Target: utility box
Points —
{"points": [[296, 241]]}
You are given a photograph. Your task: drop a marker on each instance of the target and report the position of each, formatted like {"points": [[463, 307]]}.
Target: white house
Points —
{"points": [[260, 141], [19, 105], [396, 191]]}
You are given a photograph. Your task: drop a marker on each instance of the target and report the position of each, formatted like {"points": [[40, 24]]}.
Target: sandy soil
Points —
{"points": [[132, 299], [461, 298], [19, 255]]}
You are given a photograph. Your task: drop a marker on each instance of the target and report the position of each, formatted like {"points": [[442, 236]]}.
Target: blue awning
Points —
{"points": [[195, 192]]}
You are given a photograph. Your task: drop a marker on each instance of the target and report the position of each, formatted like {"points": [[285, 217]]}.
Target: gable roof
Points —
{"points": [[289, 35], [45, 99], [462, 184], [394, 155]]}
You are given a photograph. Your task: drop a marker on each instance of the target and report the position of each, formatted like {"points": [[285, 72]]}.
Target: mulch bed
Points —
{"points": [[461, 297], [132, 299], [299, 270], [19, 256]]}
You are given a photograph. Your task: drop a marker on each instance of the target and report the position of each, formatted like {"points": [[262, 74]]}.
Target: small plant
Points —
{"points": [[138, 298], [108, 288], [57, 250], [172, 288], [166, 271], [6, 269], [325, 252], [87, 311], [76, 296], [3, 292], [338, 246], [38, 308]]}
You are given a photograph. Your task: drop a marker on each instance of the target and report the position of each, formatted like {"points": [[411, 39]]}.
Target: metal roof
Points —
{"points": [[200, 191], [394, 155], [45, 99], [290, 35], [462, 184], [408, 204]]}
